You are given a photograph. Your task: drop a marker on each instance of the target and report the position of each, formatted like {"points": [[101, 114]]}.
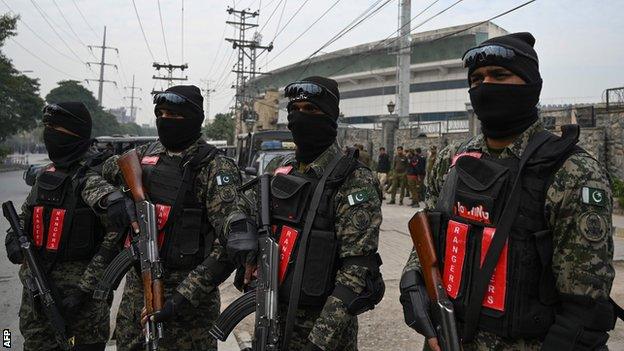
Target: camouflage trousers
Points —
{"points": [[187, 331], [304, 322], [90, 326], [485, 341]]}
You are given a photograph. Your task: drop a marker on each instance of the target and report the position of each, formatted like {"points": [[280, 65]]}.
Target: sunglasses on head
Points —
{"points": [[172, 98], [486, 53], [51, 109], [303, 90]]}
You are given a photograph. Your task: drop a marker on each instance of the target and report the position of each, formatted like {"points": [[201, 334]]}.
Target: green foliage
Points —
{"points": [[4, 152], [618, 191], [19, 94], [104, 123], [221, 128]]}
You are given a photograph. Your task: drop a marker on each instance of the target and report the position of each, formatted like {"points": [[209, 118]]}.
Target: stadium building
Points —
{"points": [[367, 74]]}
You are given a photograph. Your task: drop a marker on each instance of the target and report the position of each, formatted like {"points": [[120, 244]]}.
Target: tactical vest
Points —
{"points": [[185, 240], [291, 192], [63, 227], [521, 296]]}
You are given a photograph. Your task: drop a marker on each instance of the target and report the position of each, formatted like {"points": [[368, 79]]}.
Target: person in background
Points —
{"points": [[383, 167], [399, 180]]}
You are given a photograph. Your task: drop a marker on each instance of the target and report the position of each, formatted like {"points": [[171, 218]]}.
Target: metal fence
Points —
{"points": [[16, 160], [438, 127]]}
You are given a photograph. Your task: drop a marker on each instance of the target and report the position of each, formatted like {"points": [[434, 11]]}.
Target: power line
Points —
{"points": [[84, 19], [38, 36], [290, 20], [70, 26], [182, 36], [55, 32], [143, 31], [42, 61], [162, 28], [304, 32], [487, 20], [271, 16], [218, 49]]}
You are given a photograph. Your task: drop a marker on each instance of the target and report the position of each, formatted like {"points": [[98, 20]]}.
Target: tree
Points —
{"points": [[104, 123], [222, 128], [19, 94]]}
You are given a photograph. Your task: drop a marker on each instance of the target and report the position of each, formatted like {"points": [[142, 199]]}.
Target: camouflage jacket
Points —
{"points": [[357, 230], [582, 235], [218, 199]]}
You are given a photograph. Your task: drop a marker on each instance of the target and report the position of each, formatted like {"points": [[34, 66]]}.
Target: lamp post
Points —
{"points": [[389, 125]]}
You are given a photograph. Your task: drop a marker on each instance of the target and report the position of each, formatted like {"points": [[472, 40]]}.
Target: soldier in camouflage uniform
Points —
{"points": [[342, 252], [69, 255], [551, 283], [188, 230]]}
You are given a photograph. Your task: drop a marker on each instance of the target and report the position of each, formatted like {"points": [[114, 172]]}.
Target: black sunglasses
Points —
{"points": [[173, 98], [51, 109], [303, 90], [484, 53]]}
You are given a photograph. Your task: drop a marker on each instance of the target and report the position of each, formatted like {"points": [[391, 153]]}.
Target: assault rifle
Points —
{"points": [[442, 312], [151, 267], [37, 283], [263, 300]]}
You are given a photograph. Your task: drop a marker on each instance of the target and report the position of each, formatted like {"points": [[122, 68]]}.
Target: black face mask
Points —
{"points": [[178, 134], [505, 109], [312, 134], [64, 149]]}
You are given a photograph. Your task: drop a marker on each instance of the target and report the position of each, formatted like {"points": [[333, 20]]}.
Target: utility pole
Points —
{"points": [[102, 63], [246, 49], [169, 77], [207, 92], [132, 98], [403, 63]]}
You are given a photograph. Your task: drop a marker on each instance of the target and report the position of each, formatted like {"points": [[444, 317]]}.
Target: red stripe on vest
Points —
{"points": [[37, 226], [497, 288], [127, 242], [287, 240], [475, 154], [150, 160], [162, 215], [55, 230], [283, 170], [456, 236]]}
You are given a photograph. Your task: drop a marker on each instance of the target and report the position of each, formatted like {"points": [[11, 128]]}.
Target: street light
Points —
{"points": [[391, 106]]}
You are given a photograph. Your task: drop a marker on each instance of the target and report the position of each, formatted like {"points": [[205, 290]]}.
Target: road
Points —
{"points": [[380, 329]]}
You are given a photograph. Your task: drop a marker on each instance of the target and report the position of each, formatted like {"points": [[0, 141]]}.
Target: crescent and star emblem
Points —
{"points": [[597, 196]]}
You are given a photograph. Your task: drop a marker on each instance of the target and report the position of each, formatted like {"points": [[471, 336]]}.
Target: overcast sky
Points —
{"points": [[579, 42]]}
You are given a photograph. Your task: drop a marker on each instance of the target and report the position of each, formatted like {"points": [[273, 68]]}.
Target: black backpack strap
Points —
{"points": [[295, 290], [483, 274]]}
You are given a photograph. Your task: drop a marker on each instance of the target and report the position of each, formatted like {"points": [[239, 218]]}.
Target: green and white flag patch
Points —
{"points": [[357, 197], [593, 196], [224, 179]]}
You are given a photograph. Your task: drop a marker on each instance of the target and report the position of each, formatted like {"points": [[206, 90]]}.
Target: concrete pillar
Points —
{"points": [[389, 125]]}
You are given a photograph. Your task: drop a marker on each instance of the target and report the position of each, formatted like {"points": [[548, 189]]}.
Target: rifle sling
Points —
{"points": [[303, 246], [483, 275]]}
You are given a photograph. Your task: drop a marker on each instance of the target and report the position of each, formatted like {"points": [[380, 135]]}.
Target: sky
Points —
{"points": [[579, 43]]}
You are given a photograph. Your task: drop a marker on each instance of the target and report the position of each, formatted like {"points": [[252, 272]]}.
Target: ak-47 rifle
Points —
{"points": [[442, 312], [37, 283], [264, 298], [151, 266]]}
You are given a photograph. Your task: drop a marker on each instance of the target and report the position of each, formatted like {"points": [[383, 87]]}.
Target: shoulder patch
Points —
{"points": [[224, 179], [358, 197], [593, 226], [593, 196], [361, 219]]}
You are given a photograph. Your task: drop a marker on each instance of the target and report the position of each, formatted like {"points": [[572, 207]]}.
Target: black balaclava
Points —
{"points": [[506, 110], [66, 149], [178, 134], [314, 133]]}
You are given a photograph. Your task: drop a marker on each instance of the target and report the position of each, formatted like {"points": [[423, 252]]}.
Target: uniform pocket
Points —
{"points": [[289, 195]]}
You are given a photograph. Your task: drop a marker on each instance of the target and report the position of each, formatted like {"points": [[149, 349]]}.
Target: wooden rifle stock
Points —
{"points": [[133, 174], [420, 231]]}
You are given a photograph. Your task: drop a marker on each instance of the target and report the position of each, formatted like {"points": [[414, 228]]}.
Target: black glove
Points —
{"points": [[120, 211], [416, 303], [311, 347], [74, 301], [14, 252], [172, 306], [242, 241]]}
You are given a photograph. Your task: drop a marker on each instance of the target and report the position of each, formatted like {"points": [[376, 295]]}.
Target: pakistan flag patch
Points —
{"points": [[357, 197], [224, 179], [593, 196]]}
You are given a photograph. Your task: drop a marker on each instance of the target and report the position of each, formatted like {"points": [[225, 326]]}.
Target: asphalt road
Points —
{"points": [[380, 329]]}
